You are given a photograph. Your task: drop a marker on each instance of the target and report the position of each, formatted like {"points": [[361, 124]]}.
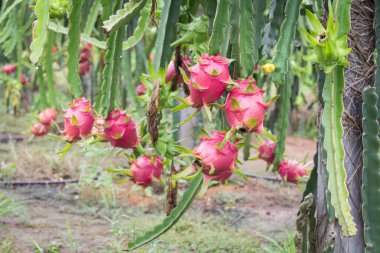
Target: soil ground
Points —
{"points": [[93, 218]]}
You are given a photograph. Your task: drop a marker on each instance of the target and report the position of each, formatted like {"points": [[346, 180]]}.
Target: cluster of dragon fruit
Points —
{"points": [[217, 154]]}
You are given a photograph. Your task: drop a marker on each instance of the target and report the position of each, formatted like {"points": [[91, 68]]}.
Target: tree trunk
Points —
{"points": [[358, 75]]}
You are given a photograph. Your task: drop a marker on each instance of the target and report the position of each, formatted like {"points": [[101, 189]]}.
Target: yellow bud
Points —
{"points": [[268, 68]]}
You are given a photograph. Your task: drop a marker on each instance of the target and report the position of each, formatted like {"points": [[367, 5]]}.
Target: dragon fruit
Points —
{"points": [[98, 129], [9, 68], [40, 129], [266, 151], [208, 79], [290, 171], [217, 164], [23, 79], [47, 116], [120, 130], [245, 107], [140, 89], [145, 169], [186, 61], [84, 68], [79, 119]]}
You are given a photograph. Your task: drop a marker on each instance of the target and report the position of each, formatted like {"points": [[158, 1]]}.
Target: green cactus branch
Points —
{"points": [[371, 171], [284, 43], [73, 49], [332, 143]]}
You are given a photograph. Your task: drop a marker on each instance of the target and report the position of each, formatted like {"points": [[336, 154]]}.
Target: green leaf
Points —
{"points": [[333, 144], [219, 26], [119, 171], [371, 171], [173, 218], [40, 29], [73, 49], [142, 25], [123, 16], [284, 43], [166, 33], [314, 22]]}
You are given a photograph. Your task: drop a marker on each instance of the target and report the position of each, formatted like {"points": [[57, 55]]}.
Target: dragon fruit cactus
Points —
{"points": [[217, 164], [120, 130], [9, 69], [245, 107], [47, 116], [186, 62], [208, 79], [79, 119], [40, 129], [145, 169], [140, 89], [266, 151], [290, 171]]}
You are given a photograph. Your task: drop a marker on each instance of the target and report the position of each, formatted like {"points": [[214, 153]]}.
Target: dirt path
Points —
{"points": [[55, 217]]}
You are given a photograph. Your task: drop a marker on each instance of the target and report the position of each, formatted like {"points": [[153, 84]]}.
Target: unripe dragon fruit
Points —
{"points": [[266, 151], [120, 130], [79, 119], [289, 171], [245, 107], [208, 79], [217, 164], [40, 129], [23, 79], [186, 61], [9, 68], [145, 169], [140, 89], [47, 116]]}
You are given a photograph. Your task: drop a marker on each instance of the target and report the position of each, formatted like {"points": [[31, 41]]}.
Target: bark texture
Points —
{"points": [[358, 75]]}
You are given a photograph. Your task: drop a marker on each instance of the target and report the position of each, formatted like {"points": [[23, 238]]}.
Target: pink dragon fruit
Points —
{"points": [[9, 68], [84, 68], [23, 79], [186, 61], [266, 151], [98, 129], [79, 119], [140, 89], [208, 79], [216, 164], [47, 116], [145, 169], [40, 129], [290, 171], [120, 130], [245, 107]]}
